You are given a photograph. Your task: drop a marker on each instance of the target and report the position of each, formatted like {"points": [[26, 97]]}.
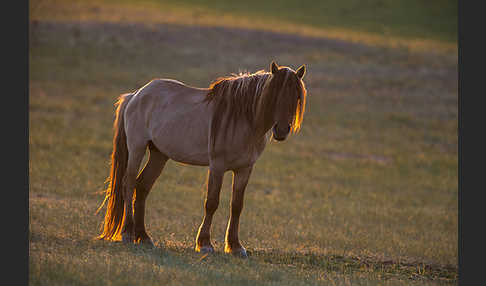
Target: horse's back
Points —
{"points": [[170, 91], [174, 117]]}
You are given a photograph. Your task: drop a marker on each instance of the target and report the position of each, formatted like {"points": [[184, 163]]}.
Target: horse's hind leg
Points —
{"points": [[145, 181], [135, 156]]}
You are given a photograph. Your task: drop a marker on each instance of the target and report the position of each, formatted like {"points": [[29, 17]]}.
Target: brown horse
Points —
{"points": [[225, 127]]}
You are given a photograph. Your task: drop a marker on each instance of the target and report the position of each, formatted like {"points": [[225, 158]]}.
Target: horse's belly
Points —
{"points": [[185, 142], [183, 153], [195, 160]]}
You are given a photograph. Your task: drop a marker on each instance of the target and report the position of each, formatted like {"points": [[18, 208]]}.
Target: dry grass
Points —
{"points": [[365, 194]]}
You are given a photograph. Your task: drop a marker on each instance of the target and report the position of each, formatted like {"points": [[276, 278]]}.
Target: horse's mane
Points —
{"points": [[252, 97]]}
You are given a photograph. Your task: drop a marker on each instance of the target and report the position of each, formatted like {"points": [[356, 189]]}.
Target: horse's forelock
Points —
{"points": [[300, 108], [290, 90]]}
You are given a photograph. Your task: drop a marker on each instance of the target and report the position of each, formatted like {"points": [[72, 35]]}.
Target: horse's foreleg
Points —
{"points": [[145, 181], [232, 243], [203, 238]]}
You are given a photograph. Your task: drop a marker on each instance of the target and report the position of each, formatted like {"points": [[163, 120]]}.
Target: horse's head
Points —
{"points": [[290, 100]]}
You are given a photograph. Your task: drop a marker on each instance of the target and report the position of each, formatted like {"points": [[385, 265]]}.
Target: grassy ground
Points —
{"points": [[365, 194], [436, 20]]}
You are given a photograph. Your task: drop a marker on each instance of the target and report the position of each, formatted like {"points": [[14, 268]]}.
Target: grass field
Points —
{"points": [[365, 194]]}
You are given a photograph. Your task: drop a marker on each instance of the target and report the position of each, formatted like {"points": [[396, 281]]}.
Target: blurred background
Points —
{"points": [[367, 191]]}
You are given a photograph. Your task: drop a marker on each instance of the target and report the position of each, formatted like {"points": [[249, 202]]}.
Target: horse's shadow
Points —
{"points": [[266, 256], [185, 254]]}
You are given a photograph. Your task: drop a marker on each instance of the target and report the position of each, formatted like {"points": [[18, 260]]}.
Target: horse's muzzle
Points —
{"points": [[278, 134]]}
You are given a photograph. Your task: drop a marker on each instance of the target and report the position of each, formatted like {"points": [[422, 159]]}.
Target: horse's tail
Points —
{"points": [[114, 217]]}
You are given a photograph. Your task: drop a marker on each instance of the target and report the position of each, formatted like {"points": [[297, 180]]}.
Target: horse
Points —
{"points": [[224, 127]]}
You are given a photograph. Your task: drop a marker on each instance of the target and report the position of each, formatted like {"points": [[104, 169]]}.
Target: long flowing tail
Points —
{"points": [[114, 217]]}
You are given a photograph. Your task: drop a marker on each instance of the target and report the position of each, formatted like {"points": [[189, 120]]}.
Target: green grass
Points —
{"points": [[365, 194], [416, 26], [405, 18]]}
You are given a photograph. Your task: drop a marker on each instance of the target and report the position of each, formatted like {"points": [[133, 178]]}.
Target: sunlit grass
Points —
{"points": [[195, 13]]}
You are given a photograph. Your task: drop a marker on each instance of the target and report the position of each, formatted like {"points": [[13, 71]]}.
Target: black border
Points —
{"points": [[472, 79], [14, 118]]}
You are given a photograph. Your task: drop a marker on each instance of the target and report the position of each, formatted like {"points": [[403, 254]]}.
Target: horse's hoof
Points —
{"points": [[238, 252], [241, 253], [204, 249], [127, 238], [143, 239], [147, 243]]}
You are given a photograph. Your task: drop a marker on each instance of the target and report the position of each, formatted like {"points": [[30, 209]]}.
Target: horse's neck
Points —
{"points": [[267, 125], [264, 118]]}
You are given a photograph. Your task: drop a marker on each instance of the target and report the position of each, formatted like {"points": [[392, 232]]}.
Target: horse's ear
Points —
{"points": [[301, 71], [273, 67]]}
